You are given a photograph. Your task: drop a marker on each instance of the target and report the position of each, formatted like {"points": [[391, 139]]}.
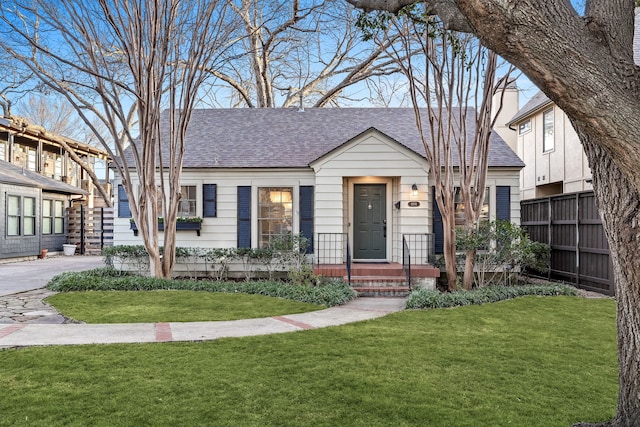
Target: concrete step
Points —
{"points": [[381, 291]]}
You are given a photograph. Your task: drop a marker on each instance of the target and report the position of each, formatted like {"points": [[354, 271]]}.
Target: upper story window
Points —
{"points": [[275, 213], [548, 137], [24, 156], [524, 127]]}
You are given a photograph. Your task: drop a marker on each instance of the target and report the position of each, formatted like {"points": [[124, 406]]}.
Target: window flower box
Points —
{"points": [[183, 223]]}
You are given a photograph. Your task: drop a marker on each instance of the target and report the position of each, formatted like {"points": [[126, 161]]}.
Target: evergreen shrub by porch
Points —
{"points": [[431, 298], [107, 279]]}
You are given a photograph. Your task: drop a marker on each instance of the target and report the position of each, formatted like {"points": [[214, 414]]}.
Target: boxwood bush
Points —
{"points": [[431, 298], [108, 279]]}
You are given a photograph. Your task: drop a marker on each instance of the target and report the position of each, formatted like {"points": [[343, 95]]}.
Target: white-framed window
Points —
{"points": [[524, 127], [52, 216], [21, 216], [275, 213], [58, 217], [187, 204], [29, 217], [14, 215], [47, 216], [548, 133], [188, 199], [460, 215]]}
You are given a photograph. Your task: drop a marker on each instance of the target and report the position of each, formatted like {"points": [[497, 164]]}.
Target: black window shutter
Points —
{"points": [[209, 200], [306, 214], [503, 203], [123, 203], [438, 230], [244, 216]]}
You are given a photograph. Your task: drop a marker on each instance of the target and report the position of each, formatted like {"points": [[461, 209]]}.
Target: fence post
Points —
{"points": [[101, 228], [549, 234], [578, 239], [82, 229]]}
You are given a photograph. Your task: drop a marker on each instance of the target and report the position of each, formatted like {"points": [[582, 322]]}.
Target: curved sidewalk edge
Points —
{"points": [[25, 334]]}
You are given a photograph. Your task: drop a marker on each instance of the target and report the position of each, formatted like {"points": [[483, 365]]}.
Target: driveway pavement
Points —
{"points": [[28, 275]]}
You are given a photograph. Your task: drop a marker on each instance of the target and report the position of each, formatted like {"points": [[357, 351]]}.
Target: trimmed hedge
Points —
{"points": [[430, 298], [108, 279]]}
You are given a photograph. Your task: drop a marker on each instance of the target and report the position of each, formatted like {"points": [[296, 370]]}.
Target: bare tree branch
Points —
{"points": [[123, 63]]}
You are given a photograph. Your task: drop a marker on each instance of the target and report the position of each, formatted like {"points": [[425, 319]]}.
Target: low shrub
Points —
{"points": [[431, 298], [108, 279]]}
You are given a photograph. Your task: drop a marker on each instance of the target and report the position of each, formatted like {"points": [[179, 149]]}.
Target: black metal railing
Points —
{"points": [[421, 247], [406, 261], [333, 248], [348, 261]]}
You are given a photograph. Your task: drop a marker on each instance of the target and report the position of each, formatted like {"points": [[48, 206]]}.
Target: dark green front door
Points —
{"points": [[370, 222]]}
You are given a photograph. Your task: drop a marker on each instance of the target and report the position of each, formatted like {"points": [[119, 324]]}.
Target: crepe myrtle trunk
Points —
{"points": [[449, 249]]}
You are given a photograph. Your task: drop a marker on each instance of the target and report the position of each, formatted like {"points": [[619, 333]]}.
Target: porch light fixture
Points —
{"points": [[414, 190]]}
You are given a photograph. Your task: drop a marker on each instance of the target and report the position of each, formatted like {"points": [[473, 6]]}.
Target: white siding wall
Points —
{"points": [[221, 232], [372, 158]]}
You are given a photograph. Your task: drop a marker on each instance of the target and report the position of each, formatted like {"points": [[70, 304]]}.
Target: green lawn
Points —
{"points": [[526, 362], [170, 306]]}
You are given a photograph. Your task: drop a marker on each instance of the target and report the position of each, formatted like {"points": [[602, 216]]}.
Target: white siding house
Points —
{"points": [[356, 173]]}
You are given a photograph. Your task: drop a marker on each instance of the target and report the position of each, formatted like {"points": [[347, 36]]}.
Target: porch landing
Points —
{"points": [[379, 279]]}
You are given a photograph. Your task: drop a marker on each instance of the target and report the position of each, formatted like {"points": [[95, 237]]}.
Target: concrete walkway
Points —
{"points": [[26, 320], [30, 334]]}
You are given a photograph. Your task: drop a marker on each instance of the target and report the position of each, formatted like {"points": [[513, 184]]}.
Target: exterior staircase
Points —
{"points": [[379, 279]]}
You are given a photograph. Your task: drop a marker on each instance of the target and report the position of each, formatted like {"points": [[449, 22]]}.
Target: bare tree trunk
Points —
{"points": [[469, 264], [620, 211], [449, 249]]}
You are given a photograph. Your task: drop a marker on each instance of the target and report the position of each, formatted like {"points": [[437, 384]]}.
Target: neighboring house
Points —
{"points": [[551, 150], [550, 147], [33, 208], [328, 174], [38, 181]]}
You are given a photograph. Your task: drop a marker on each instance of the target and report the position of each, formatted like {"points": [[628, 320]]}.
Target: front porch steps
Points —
{"points": [[379, 279]]}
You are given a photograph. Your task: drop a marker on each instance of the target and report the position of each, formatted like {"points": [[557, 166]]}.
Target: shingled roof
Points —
{"points": [[16, 175], [289, 138]]}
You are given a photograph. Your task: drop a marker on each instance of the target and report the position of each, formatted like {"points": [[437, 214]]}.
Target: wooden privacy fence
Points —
{"points": [[570, 224], [90, 228]]}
